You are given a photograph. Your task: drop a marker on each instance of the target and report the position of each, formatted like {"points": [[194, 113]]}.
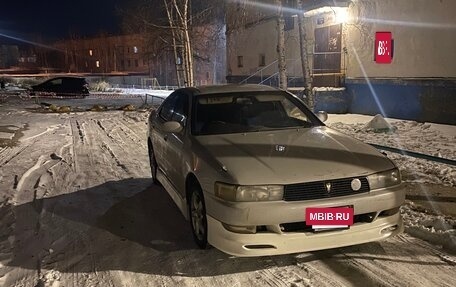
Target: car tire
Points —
{"points": [[197, 215], [153, 165]]}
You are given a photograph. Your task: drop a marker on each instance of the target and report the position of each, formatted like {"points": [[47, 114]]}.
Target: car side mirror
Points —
{"points": [[172, 127], [322, 116]]}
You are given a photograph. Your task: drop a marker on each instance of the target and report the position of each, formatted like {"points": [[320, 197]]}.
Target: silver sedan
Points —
{"points": [[257, 173]]}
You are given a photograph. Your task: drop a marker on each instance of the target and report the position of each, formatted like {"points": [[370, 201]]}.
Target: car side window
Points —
{"points": [[181, 109], [56, 82], [167, 109]]}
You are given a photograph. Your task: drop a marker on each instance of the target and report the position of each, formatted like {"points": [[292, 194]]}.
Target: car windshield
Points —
{"points": [[249, 112]]}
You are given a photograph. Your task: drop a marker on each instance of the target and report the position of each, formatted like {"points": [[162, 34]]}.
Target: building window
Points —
{"points": [[128, 49], [240, 61], [136, 63], [90, 52], [289, 23], [128, 63], [122, 64], [135, 50], [97, 63], [262, 61], [144, 62]]}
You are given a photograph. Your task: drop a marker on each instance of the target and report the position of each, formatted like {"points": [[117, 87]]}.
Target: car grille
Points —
{"points": [[319, 189]]}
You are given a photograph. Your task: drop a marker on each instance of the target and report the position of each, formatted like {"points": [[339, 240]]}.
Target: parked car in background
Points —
{"points": [[62, 87], [244, 163]]}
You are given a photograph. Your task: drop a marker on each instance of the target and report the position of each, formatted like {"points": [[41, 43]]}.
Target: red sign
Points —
{"points": [[383, 47], [329, 216]]}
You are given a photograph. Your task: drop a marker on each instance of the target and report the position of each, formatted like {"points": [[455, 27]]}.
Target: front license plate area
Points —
{"points": [[329, 218]]}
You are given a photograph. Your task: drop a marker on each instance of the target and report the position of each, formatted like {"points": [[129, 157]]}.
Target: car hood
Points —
{"points": [[293, 156]]}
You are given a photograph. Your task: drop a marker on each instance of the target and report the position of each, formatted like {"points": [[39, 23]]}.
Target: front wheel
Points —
{"points": [[197, 213]]}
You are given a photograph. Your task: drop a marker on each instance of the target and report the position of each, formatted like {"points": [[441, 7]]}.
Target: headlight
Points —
{"points": [[384, 179], [248, 192]]}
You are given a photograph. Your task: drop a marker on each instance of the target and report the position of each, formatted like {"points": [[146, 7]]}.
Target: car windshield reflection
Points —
{"points": [[242, 112]]}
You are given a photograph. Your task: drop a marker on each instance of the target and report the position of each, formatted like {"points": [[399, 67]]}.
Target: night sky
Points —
{"points": [[50, 20]]}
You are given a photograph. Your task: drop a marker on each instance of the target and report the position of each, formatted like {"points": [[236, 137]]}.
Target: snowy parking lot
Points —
{"points": [[78, 208]]}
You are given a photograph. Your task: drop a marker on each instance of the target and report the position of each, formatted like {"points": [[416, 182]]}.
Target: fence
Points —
{"points": [[114, 100]]}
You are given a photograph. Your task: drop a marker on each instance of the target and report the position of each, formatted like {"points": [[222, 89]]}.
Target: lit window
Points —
{"points": [[135, 49], [98, 64], [90, 52]]}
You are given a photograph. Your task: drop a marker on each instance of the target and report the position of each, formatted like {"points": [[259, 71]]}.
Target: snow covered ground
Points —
{"points": [[430, 219], [78, 208]]}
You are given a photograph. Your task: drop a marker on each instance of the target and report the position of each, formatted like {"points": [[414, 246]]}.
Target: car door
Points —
{"points": [[57, 86], [159, 137], [175, 150]]}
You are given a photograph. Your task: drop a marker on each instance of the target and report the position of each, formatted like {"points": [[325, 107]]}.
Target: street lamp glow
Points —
{"points": [[341, 14]]}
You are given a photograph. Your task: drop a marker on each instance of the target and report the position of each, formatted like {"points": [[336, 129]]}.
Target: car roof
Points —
{"points": [[230, 88], [66, 77], [71, 77]]}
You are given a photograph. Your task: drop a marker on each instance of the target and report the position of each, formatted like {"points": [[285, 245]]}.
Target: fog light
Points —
{"points": [[260, 246], [251, 229], [389, 229]]}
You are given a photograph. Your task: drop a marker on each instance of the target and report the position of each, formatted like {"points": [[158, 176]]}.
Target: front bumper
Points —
{"points": [[283, 243], [273, 215]]}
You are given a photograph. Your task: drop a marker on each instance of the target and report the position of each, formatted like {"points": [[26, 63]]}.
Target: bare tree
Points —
{"points": [[178, 17], [281, 46], [183, 29], [304, 57]]}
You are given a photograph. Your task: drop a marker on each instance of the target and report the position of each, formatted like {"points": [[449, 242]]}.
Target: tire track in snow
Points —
{"points": [[103, 128], [118, 145], [73, 146], [275, 275], [15, 151], [139, 139], [25, 177], [80, 132], [49, 129], [31, 180], [116, 159]]}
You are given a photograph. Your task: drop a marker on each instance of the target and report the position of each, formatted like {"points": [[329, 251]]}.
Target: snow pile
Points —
{"points": [[327, 89], [158, 93], [51, 278], [437, 229], [379, 125]]}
